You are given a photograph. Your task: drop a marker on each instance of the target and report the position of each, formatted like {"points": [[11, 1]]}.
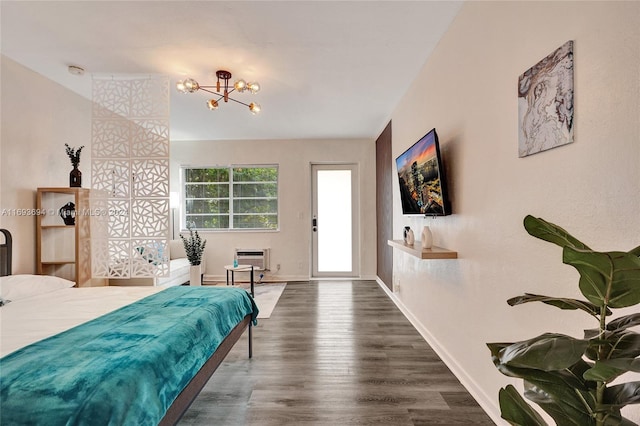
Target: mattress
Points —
{"points": [[45, 314]]}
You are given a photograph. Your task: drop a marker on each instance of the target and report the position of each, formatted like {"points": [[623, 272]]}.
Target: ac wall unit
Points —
{"points": [[259, 258]]}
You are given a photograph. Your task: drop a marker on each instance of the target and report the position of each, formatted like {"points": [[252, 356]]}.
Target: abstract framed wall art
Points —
{"points": [[545, 103]]}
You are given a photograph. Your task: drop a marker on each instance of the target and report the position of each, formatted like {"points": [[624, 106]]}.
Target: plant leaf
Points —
{"points": [[571, 377], [609, 369], [552, 233], [547, 352], [608, 278], [564, 404], [624, 345], [613, 345], [628, 364], [624, 322], [516, 410], [622, 394], [558, 302]]}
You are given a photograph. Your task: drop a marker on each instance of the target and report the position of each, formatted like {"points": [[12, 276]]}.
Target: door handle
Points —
{"points": [[314, 224]]}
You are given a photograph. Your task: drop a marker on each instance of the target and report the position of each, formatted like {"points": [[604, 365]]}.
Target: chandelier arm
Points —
{"points": [[240, 102], [205, 89]]}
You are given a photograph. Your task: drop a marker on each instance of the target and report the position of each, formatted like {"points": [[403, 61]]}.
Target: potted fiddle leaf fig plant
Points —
{"points": [[570, 378], [194, 247]]}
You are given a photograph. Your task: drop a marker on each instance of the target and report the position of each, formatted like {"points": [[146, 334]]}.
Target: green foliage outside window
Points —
{"points": [[231, 197]]}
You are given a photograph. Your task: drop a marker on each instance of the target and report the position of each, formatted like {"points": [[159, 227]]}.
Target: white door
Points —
{"points": [[334, 226]]}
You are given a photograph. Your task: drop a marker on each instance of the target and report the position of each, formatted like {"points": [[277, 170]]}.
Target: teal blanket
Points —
{"points": [[124, 368]]}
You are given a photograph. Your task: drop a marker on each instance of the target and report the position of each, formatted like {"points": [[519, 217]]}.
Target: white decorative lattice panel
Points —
{"points": [[117, 258], [111, 98], [119, 225], [150, 97], [150, 178], [150, 139], [150, 218], [130, 163], [111, 138], [150, 258], [111, 176]]}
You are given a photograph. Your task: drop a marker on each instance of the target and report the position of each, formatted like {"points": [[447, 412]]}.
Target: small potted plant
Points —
{"points": [[194, 247], [75, 176]]}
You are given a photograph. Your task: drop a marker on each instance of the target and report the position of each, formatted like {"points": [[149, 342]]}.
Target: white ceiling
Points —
{"points": [[328, 69]]}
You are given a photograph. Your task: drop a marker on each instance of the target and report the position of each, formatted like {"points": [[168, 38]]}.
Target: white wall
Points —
{"points": [[290, 246], [38, 118], [468, 91]]}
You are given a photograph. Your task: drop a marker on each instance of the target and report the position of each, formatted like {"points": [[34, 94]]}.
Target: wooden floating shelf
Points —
{"points": [[417, 250]]}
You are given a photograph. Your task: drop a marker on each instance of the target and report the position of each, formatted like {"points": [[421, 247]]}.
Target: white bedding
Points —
{"points": [[37, 317]]}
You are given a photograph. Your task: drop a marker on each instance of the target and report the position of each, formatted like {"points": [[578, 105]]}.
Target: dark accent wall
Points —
{"points": [[384, 206]]}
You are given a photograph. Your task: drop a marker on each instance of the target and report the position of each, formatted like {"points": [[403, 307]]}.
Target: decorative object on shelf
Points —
{"points": [[411, 238], [545, 103], [570, 378], [426, 238], [75, 176], [189, 85], [68, 213], [405, 233]]}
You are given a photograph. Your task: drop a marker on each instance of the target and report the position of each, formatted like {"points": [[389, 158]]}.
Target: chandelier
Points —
{"points": [[189, 85]]}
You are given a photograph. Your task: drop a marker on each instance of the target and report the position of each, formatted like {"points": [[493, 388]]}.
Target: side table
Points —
{"points": [[239, 268]]}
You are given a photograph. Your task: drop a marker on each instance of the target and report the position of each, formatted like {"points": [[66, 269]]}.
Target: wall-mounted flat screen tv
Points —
{"points": [[423, 186]]}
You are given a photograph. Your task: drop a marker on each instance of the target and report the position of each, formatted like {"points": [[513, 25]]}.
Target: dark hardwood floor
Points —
{"points": [[334, 353]]}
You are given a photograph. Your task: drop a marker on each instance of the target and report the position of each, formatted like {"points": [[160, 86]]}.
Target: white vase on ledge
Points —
{"points": [[195, 275], [427, 238]]}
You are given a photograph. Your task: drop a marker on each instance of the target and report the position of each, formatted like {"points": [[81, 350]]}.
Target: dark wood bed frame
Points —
{"points": [[191, 391]]}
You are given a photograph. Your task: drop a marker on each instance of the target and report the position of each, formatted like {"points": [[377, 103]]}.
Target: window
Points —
{"points": [[236, 197]]}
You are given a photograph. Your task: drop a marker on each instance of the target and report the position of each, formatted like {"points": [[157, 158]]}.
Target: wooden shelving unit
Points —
{"points": [[417, 250], [64, 250]]}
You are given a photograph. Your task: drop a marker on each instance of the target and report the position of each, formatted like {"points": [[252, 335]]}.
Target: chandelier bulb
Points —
{"points": [[253, 87], [254, 108], [240, 85], [188, 85], [212, 104]]}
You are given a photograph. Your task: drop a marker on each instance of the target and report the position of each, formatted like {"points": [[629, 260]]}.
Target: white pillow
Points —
{"points": [[16, 287], [176, 249]]}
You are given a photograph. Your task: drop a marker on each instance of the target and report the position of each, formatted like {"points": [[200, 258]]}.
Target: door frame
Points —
{"points": [[355, 221]]}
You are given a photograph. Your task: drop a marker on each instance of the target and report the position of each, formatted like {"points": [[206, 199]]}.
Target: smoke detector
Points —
{"points": [[76, 70]]}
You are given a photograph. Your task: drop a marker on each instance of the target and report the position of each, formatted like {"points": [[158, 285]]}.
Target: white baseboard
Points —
{"points": [[487, 403], [268, 277]]}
